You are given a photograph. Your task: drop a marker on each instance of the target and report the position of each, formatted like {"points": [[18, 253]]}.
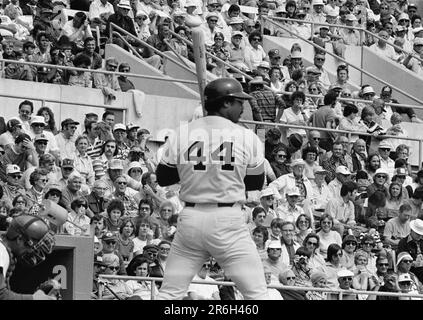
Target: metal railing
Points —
{"points": [[344, 61], [313, 24], [344, 132], [340, 292], [360, 29], [145, 44], [208, 54], [116, 73], [356, 100]]}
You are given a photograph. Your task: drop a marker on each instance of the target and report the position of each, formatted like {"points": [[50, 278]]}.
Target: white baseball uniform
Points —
{"points": [[212, 156]]}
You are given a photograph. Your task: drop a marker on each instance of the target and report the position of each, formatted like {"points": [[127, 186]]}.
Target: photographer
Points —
{"points": [[137, 155]]}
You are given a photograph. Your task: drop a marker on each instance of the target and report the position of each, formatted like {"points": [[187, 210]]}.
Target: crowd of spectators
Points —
{"points": [[336, 211], [48, 32]]}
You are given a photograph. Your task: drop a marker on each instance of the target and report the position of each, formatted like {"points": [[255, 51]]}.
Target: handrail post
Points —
{"points": [[111, 33], [420, 153], [153, 284], [312, 29], [340, 295], [100, 289]]}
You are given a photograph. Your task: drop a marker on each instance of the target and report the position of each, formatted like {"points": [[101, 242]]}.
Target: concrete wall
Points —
{"points": [[352, 55], [393, 73], [155, 87]]}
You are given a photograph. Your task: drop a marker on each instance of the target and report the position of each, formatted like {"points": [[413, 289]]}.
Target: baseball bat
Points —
{"points": [[200, 62]]}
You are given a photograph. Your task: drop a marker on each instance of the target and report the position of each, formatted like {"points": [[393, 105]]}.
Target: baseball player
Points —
{"points": [[29, 240], [216, 161]]}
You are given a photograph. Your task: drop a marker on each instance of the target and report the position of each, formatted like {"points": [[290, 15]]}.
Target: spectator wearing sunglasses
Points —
{"points": [[344, 282], [404, 265], [382, 267], [38, 180], [413, 244], [122, 193], [316, 260], [274, 261], [288, 278], [318, 280], [78, 217], [333, 265], [349, 246], [198, 291], [120, 289], [47, 163], [301, 268], [109, 245]]}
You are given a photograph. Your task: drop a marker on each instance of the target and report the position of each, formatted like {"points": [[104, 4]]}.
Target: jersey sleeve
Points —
{"points": [[255, 164], [170, 151]]}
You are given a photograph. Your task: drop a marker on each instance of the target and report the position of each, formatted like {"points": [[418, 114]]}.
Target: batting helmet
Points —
{"points": [[37, 236], [222, 88]]}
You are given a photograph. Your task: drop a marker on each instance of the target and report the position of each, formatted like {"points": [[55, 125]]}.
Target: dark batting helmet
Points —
{"points": [[222, 88], [37, 237]]}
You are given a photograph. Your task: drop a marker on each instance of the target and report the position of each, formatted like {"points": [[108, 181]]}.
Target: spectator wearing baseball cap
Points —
{"points": [[294, 179], [266, 105], [66, 138], [119, 132], [131, 134], [12, 184], [236, 51], [274, 261], [386, 162], [40, 143], [320, 196], [350, 36], [115, 170], [267, 201], [342, 174], [290, 210], [410, 62], [380, 179]]}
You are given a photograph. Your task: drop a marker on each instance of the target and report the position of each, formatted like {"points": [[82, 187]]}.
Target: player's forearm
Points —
{"points": [[6, 294], [166, 176], [254, 182]]}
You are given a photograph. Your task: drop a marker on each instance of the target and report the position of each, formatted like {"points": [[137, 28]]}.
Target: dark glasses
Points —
{"points": [[113, 268], [312, 243], [346, 278], [351, 243]]}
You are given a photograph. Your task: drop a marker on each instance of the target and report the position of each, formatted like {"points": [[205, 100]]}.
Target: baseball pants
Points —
{"points": [[207, 230]]}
